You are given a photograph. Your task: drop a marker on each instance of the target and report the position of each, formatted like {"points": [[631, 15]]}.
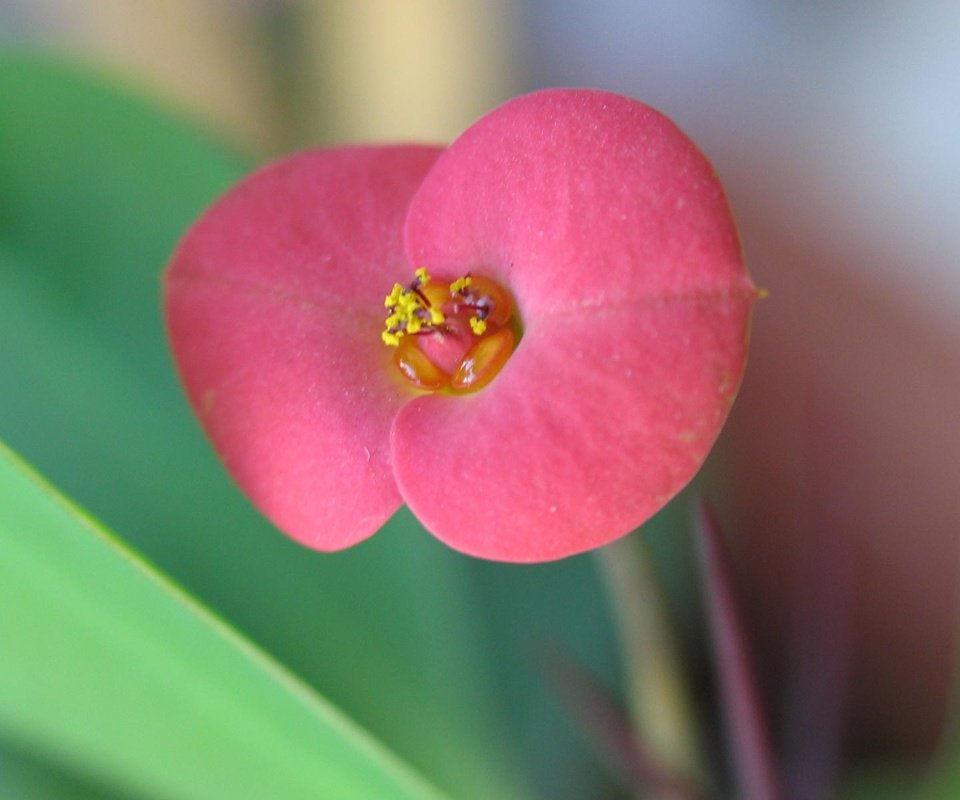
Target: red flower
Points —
{"points": [[621, 291]]}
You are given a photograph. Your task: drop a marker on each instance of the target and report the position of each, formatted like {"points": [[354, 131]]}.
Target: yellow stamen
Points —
{"points": [[394, 297], [472, 318], [411, 310], [460, 284]]}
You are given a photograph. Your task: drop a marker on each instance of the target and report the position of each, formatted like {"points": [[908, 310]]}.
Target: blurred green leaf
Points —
{"points": [[892, 782], [111, 668], [23, 775], [942, 781]]}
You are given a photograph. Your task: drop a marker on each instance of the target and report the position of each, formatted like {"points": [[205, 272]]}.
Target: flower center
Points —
{"points": [[452, 337]]}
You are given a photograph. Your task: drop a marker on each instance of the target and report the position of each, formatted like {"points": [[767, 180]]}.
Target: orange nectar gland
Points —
{"points": [[473, 314]]}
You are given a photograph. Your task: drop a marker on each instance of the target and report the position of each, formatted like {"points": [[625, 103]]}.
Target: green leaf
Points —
{"points": [[942, 781], [892, 781], [114, 670], [23, 775]]}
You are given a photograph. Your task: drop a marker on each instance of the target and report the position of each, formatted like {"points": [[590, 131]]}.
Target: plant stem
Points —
{"points": [[659, 697]]}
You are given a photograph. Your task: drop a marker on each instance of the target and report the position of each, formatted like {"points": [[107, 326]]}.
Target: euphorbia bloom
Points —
{"points": [[564, 330]]}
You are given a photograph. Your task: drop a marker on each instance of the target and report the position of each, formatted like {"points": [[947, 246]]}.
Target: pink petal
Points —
{"points": [[614, 235], [274, 309], [581, 437], [575, 199]]}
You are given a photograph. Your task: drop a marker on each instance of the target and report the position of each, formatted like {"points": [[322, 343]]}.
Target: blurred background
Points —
{"points": [[835, 127]]}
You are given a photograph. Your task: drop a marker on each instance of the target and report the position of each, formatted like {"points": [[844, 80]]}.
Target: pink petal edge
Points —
{"points": [[274, 304]]}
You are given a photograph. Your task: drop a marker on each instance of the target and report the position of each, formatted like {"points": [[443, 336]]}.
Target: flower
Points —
{"points": [[610, 239]]}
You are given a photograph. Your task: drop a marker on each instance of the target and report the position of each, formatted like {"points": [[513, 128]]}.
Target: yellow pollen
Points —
{"points": [[475, 329], [460, 284], [410, 310], [394, 297]]}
